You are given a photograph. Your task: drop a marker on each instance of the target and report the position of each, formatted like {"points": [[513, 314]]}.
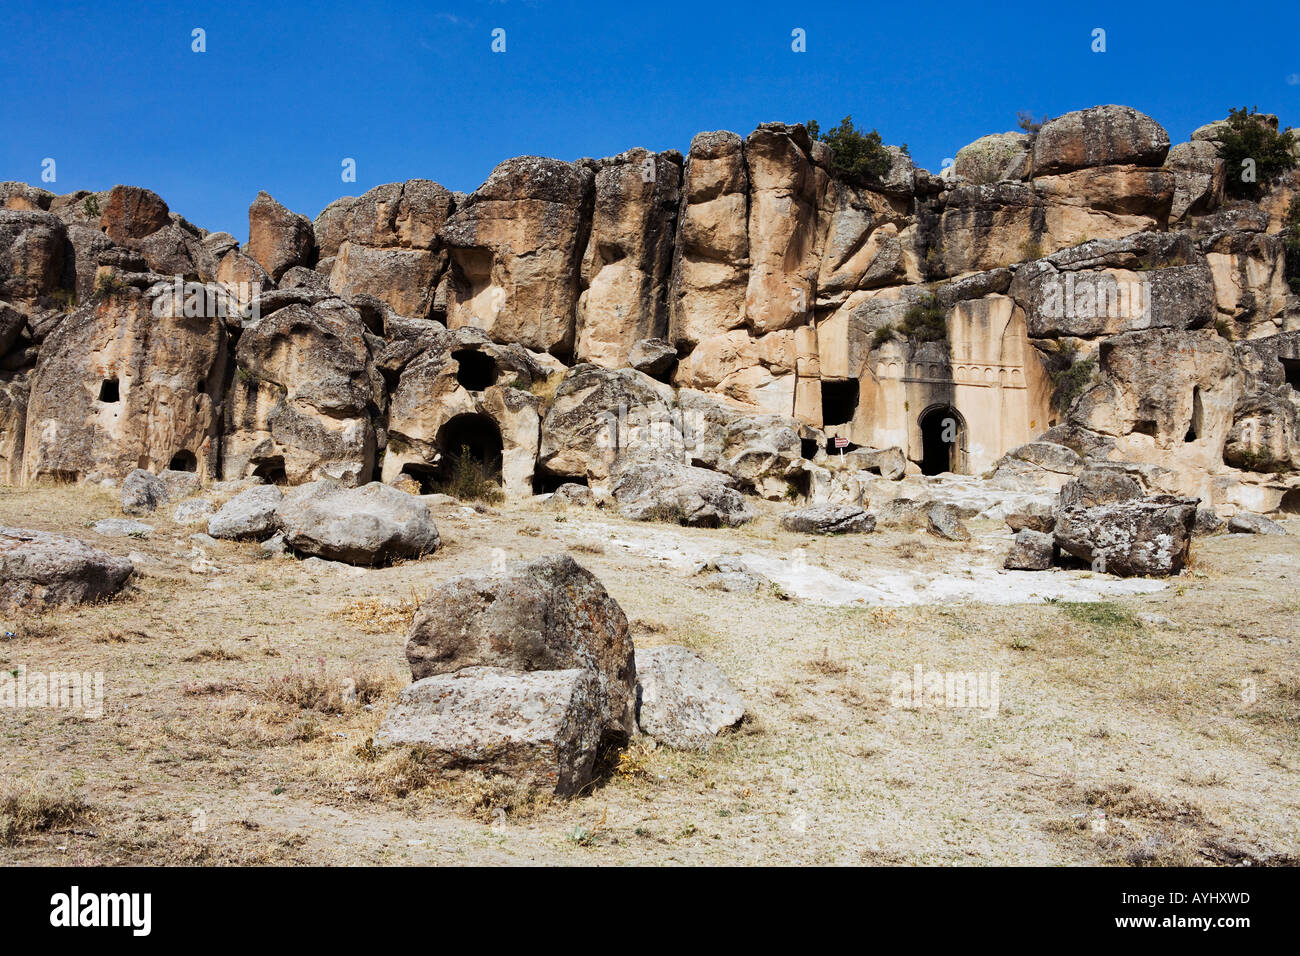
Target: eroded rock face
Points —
{"points": [[13, 430], [628, 261], [31, 253], [304, 398], [541, 727], [545, 615], [1150, 536], [683, 701], [516, 248], [709, 276], [133, 213], [39, 570], [119, 386]]}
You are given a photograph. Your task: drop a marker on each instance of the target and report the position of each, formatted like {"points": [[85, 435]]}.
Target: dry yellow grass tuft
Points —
{"points": [[35, 810], [373, 615]]}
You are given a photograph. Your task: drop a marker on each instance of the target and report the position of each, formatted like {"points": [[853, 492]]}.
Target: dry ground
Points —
{"points": [[225, 738]]}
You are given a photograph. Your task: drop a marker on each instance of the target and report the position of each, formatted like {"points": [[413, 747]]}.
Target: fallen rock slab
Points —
{"points": [[1151, 536], [122, 528], [943, 520], [193, 512], [682, 700], [39, 570], [829, 519], [369, 525], [142, 493], [547, 614], [542, 726]]}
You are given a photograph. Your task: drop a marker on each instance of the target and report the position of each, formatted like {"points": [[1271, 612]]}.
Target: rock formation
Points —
{"points": [[680, 331]]}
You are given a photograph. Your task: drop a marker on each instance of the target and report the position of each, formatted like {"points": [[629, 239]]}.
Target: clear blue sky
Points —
{"points": [[284, 92]]}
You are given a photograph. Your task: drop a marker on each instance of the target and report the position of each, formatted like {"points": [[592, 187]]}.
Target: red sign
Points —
{"points": [[841, 443]]}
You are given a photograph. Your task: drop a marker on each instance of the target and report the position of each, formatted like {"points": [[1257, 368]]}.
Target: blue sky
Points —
{"points": [[113, 93]]}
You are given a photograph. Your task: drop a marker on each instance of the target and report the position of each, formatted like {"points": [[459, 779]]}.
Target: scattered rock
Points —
{"points": [[729, 573], [1030, 551], [542, 727], [1154, 620], [572, 493], [652, 356], [373, 524], [1150, 536], [122, 528], [142, 493], [670, 491], [829, 519], [944, 520], [1033, 515], [1246, 522], [194, 511], [1208, 523], [250, 514], [548, 614], [682, 700], [39, 570]]}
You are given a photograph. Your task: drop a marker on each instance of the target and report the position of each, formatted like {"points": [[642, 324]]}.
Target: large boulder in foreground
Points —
{"points": [[683, 700], [551, 614], [672, 491], [541, 727], [1030, 551], [39, 570], [373, 524], [828, 519], [1150, 536]]}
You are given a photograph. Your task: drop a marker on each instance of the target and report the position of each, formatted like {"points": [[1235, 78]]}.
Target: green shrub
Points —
{"points": [[925, 321], [1025, 120], [882, 335], [860, 158], [470, 479], [1248, 137], [91, 205], [1071, 378]]}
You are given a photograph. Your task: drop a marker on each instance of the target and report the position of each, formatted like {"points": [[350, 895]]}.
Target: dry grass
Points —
{"points": [[376, 615], [24, 812]]}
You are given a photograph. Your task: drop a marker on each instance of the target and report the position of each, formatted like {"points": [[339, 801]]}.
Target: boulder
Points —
{"points": [[730, 573], [829, 519], [545, 615], [994, 157], [1033, 516], [194, 511], [122, 528], [277, 238], [1245, 522], [142, 493], [1030, 551], [683, 701], [32, 249], [1100, 486], [671, 491], [572, 493], [133, 213], [1208, 523], [1100, 136], [652, 356], [370, 525], [39, 570], [1149, 536], [541, 728], [944, 521]]}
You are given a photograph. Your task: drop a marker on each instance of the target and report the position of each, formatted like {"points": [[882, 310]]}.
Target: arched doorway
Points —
{"points": [[469, 450], [943, 440]]}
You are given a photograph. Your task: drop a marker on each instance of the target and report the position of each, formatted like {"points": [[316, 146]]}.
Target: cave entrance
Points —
{"points": [[943, 435], [184, 461], [1290, 503], [839, 401], [110, 391], [475, 370], [469, 447], [270, 470], [1291, 367]]}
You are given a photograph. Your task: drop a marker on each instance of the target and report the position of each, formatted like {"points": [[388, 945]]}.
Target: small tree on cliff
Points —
{"points": [[860, 158], [1270, 153]]}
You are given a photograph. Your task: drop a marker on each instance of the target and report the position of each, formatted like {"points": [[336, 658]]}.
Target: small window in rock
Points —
{"points": [[1194, 428], [201, 388], [184, 461], [474, 370], [109, 391], [1145, 428], [271, 470], [808, 447], [839, 401], [1292, 369]]}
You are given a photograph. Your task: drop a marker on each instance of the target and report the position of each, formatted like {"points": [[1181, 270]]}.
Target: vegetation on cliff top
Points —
{"points": [[860, 157]]}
